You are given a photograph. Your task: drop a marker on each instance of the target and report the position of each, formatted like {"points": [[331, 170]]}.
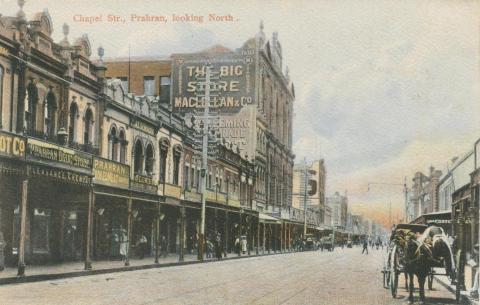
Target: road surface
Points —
{"points": [[342, 277]]}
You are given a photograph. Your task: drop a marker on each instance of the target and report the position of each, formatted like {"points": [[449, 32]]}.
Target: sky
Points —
{"points": [[383, 88]]}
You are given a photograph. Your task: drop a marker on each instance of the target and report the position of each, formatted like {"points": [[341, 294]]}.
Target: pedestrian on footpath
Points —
{"points": [[164, 246], [365, 246], [143, 245], [123, 243], [218, 246]]}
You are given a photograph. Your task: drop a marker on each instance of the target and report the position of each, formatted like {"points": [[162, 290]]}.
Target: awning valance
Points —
{"points": [[267, 218]]}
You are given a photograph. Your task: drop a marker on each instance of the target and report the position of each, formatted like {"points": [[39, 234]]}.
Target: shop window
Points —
{"points": [[87, 133], [149, 159], [72, 128], [149, 85], [165, 83], [41, 231], [138, 158]]}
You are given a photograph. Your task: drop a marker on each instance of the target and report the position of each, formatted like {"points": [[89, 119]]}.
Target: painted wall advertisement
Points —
{"points": [[232, 84], [232, 101]]}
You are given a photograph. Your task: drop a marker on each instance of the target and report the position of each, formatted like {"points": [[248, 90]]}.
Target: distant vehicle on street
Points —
{"points": [[309, 242], [326, 243]]}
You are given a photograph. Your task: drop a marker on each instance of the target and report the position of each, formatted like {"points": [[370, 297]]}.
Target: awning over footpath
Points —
{"points": [[267, 218], [442, 217]]}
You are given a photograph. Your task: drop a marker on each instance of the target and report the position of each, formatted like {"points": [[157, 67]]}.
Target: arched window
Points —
{"points": [[72, 127], [177, 152], [138, 157], [164, 146], [123, 146], [87, 134], [49, 109], [149, 159], [31, 99], [112, 144]]}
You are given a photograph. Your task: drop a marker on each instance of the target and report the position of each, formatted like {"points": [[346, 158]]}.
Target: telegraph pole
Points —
{"points": [[305, 201], [201, 237]]}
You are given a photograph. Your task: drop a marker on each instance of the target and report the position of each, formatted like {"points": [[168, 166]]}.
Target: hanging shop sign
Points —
{"points": [[107, 172], [12, 145], [143, 183], [58, 173], [232, 84], [57, 155]]}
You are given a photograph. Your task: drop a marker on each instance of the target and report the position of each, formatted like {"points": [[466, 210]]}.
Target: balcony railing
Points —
{"points": [[88, 148]]}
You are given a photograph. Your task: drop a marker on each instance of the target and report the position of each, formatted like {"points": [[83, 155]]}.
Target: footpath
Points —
{"points": [[35, 273], [464, 295]]}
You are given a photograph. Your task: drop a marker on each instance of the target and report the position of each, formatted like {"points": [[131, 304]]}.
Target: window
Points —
{"points": [[149, 85], [112, 144], [197, 178], [49, 115], [186, 183], [165, 89], [138, 159], [149, 159], [1, 86], [31, 98], [176, 167], [124, 81], [192, 175], [123, 146], [72, 127], [87, 134], [163, 163]]}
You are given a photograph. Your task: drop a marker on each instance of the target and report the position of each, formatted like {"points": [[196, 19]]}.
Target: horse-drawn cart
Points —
{"points": [[416, 249]]}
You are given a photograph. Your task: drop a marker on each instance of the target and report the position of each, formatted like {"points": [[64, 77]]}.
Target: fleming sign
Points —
{"points": [[12, 145], [232, 86]]}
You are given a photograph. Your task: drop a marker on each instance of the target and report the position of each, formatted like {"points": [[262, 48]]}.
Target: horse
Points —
{"points": [[423, 253]]}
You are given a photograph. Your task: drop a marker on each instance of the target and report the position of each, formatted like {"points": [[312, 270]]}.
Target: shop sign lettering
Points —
{"points": [[143, 183], [45, 151], [12, 145], [57, 173], [111, 173], [232, 86], [143, 127]]}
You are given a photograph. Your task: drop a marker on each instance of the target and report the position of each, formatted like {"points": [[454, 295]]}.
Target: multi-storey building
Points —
{"points": [[311, 192], [86, 166], [424, 192], [339, 205], [253, 111]]}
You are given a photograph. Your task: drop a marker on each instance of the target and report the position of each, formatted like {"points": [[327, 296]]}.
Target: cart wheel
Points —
{"points": [[430, 281], [394, 284]]}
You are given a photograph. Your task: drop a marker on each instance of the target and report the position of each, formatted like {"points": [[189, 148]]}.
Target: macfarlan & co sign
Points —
{"points": [[232, 86]]}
